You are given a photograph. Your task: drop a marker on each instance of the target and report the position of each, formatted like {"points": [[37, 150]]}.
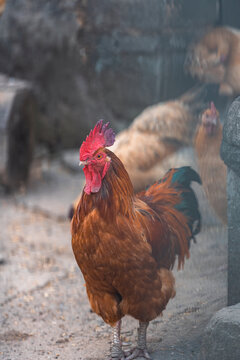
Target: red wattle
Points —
{"points": [[93, 179]]}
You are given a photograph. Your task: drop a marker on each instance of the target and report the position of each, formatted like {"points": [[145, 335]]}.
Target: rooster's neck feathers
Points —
{"points": [[115, 195]]}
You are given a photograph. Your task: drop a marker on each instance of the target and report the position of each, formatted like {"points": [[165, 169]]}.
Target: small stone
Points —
{"points": [[98, 329]]}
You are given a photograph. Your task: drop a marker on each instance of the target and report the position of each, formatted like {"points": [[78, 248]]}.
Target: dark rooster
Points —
{"points": [[125, 244]]}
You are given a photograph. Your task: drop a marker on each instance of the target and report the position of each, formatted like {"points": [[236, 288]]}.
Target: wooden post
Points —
{"points": [[17, 112]]}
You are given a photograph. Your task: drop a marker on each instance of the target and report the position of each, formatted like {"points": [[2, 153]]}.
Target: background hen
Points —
{"points": [[216, 59], [157, 133], [212, 169]]}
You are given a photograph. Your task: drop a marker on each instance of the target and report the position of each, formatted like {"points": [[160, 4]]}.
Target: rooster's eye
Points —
{"points": [[99, 156]]}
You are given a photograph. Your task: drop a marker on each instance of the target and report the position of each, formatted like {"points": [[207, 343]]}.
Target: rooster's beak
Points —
{"points": [[82, 163]]}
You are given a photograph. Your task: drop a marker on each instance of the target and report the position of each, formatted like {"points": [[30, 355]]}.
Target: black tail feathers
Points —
{"points": [[181, 179]]}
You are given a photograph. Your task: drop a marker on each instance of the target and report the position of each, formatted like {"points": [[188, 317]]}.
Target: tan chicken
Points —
{"points": [[212, 169], [216, 59], [157, 133]]}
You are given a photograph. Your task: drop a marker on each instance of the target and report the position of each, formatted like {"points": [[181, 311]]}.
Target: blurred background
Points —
{"points": [[152, 68], [65, 65], [88, 60]]}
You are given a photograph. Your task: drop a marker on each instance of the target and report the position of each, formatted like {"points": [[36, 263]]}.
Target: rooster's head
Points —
{"points": [[93, 156], [210, 119]]}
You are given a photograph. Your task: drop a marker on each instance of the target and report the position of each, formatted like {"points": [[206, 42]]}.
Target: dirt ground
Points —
{"points": [[44, 308]]}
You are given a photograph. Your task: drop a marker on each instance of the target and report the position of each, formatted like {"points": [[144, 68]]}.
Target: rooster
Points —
{"points": [[212, 169], [126, 244], [216, 59]]}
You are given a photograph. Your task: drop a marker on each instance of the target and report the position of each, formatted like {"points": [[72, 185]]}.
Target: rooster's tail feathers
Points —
{"points": [[181, 180], [183, 176]]}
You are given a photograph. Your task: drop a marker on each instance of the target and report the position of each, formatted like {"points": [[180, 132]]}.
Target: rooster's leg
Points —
{"points": [[116, 350], [141, 350]]}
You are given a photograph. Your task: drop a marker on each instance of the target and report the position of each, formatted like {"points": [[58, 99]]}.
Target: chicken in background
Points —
{"points": [[126, 244], [157, 133], [212, 169], [216, 59]]}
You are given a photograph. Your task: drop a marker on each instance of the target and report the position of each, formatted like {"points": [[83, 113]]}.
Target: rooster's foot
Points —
{"points": [[136, 353], [141, 349], [117, 353], [116, 349], [121, 357]]}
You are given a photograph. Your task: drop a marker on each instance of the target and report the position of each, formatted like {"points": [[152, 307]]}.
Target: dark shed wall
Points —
{"points": [[93, 59], [139, 48], [230, 13]]}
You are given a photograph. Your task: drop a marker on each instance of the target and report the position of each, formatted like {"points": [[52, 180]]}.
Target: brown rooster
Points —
{"points": [[212, 169], [216, 59], [126, 244]]}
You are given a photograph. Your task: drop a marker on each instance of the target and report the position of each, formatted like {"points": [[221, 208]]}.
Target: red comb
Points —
{"points": [[100, 136], [213, 108]]}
